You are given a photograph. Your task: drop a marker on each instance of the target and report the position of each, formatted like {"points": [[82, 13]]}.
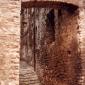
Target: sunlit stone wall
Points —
{"points": [[9, 41], [81, 37]]}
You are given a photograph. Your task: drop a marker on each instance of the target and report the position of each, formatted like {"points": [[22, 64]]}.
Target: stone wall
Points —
{"points": [[76, 2], [9, 42], [81, 36]]}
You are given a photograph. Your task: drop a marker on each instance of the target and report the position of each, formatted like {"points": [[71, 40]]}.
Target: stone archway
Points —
{"points": [[49, 42]]}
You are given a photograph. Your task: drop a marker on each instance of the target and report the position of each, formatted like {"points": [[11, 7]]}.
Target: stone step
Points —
{"points": [[28, 76]]}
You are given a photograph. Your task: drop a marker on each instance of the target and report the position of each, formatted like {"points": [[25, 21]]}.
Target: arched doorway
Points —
{"points": [[49, 42]]}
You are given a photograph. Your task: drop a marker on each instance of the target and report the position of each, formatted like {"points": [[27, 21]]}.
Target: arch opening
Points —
{"points": [[50, 43]]}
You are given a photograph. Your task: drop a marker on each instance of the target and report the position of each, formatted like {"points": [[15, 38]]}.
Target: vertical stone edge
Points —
{"points": [[9, 41], [81, 37]]}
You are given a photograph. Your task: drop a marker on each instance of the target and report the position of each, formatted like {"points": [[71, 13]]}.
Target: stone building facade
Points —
{"points": [[9, 41], [10, 32]]}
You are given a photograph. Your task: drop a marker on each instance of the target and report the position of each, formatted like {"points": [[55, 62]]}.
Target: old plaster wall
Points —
{"points": [[9, 41]]}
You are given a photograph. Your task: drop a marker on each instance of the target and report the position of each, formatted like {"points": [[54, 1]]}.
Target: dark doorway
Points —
{"points": [[49, 42]]}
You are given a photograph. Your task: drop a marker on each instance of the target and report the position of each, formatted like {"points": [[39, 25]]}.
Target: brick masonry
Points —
{"points": [[9, 42]]}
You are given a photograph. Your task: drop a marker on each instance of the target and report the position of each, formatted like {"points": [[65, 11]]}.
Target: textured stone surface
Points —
{"points": [[81, 37], [10, 44], [9, 41], [75, 2], [27, 75]]}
